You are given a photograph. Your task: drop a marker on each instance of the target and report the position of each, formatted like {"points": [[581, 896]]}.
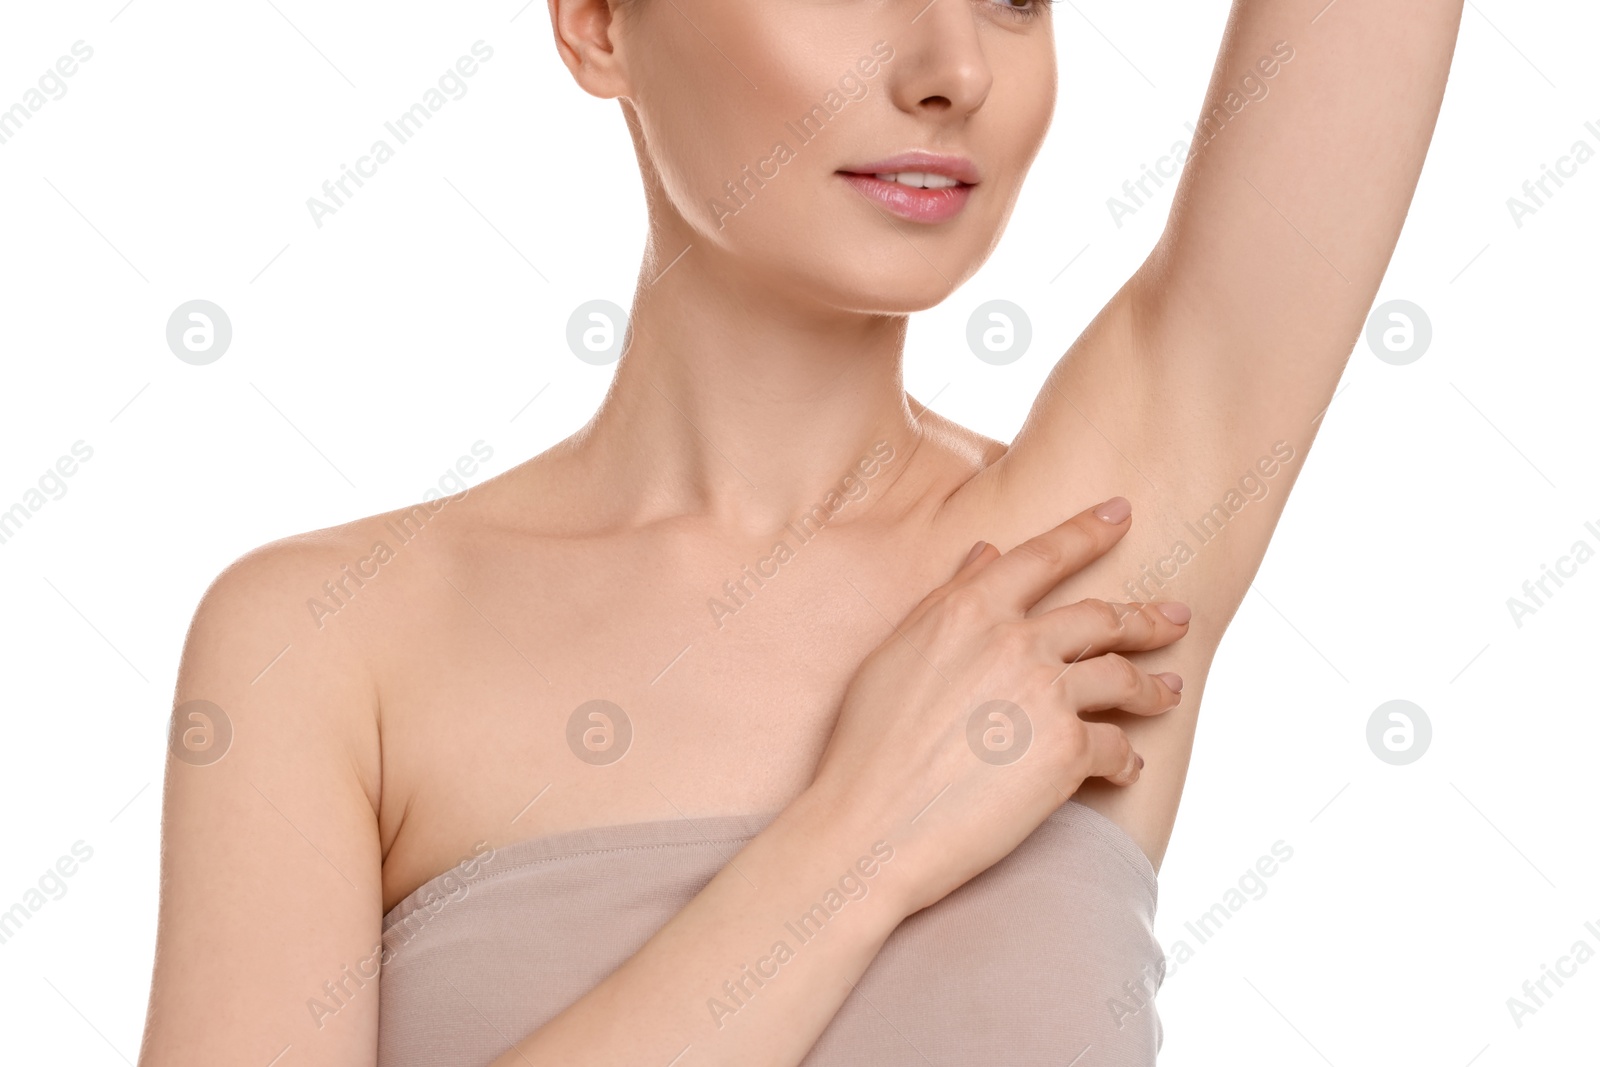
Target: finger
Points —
{"points": [[1030, 570], [1112, 682], [1111, 755], [981, 555], [1094, 627]]}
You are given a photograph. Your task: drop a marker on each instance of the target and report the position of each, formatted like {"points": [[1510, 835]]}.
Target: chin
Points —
{"points": [[868, 279], [866, 264]]}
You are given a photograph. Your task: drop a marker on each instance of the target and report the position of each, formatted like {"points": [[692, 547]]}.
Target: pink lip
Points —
{"points": [[957, 167], [915, 205]]}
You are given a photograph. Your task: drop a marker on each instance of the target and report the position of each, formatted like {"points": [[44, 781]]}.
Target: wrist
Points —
{"points": [[852, 857]]}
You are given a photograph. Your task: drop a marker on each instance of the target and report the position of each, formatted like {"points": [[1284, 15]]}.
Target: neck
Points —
{"points": [[738, 402]]}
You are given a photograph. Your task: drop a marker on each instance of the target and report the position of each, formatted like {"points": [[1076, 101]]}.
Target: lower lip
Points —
{"points": [[909, 203]]}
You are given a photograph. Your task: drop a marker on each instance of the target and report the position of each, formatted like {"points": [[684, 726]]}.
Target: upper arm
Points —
{"points": [[1307, 150], [270, 856], [1198, 390], [1225, 347]]}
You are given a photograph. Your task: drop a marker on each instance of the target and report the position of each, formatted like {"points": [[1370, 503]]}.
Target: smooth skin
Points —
{"points": [[897, 771], [430, 712]]}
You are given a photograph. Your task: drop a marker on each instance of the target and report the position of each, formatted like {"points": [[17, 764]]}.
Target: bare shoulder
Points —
{"points": [[316, 615], [267, 608], [271, 880]]}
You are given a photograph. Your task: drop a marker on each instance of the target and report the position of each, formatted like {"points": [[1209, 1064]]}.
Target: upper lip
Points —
{"points": [[920, 162]]}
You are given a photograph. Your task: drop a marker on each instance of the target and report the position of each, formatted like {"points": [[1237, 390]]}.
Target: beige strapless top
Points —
{"points": [[1049, 957]]}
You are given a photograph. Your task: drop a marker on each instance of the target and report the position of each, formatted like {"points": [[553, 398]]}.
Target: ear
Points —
{"points": [[584, 31]]}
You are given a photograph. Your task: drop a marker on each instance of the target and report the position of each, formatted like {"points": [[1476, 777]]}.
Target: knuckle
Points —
{"points": [[964, 607], [1123, 748], [1127, 763], [1074, 738], [1129, 773], [1014, 637], [1081, 539], [1104, 613], [1046, 551], [1042, 678], [1068, 679], [1127, 676]]}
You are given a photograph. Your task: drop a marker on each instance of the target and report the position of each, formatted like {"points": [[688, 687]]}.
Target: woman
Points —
{"points": [[657, 748]]}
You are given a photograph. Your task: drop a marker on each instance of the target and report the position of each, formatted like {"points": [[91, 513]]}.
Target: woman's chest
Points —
{"points": [[537, 696], [525, 694]]}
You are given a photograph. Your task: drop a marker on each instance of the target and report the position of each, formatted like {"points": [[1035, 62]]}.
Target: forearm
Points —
{"points": [[755, 967]]}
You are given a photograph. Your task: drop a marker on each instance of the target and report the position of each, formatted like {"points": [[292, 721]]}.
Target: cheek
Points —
{"points": [[1019, 109], [692, 109], [708, 112], [1025, 100]]}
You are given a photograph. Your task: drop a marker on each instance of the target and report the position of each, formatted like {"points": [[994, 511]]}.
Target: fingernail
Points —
{"points": [[1174, 611], [977, 550], [1173, 679], [1115, 511]]}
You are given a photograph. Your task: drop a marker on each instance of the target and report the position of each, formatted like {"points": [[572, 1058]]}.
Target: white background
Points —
{"points": [[370, 354]]}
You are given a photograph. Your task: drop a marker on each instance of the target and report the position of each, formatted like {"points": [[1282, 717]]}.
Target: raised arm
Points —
{"points": [[1234, 332], [1309, 145], [1198, 390]]}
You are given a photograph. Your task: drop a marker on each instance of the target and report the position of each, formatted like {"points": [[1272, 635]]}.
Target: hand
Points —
{"points": [[962, 732]]}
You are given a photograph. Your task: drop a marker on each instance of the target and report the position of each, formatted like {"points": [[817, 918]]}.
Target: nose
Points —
{"points": [[939, 69]]}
